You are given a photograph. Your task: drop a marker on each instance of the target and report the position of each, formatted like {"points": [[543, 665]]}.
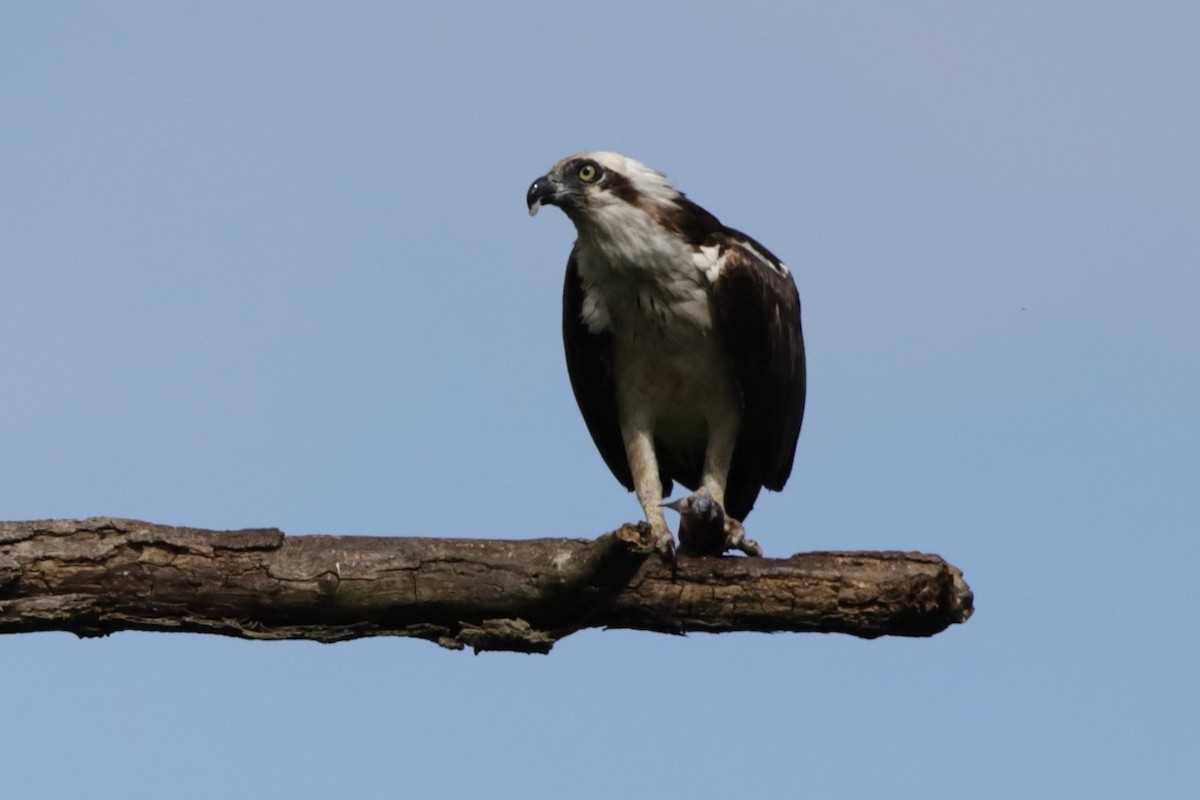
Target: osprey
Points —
{"points": [[683, 342]]}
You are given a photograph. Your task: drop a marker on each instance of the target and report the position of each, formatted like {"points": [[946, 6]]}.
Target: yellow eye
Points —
{"points": [[588, 173]]}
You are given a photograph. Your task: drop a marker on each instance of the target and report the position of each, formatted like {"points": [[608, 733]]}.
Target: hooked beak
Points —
{"points": [[543, 190], [699, 505], [679, 505]]}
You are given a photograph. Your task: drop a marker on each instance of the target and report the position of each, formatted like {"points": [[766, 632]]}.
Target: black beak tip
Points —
{"points": [[540, 191]]}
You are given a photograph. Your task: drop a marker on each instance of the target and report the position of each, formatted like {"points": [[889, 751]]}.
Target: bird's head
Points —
{"points": [[592, 188], [698, 507]]}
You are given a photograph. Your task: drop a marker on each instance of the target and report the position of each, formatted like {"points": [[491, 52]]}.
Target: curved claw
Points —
{"points": [[751, 548], [735, 539], [664, 545]]}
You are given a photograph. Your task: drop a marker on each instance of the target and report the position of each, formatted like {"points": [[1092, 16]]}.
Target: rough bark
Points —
{"points": [[96, 576]]}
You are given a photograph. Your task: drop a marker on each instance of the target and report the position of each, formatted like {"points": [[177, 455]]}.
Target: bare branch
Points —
{"points": [[100, 575]]}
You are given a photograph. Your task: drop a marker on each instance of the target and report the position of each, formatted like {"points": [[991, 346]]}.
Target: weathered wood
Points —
{"points": [[95, 576]]}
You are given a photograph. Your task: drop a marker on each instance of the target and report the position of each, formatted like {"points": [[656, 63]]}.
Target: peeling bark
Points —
{"points": [[95, 576]]}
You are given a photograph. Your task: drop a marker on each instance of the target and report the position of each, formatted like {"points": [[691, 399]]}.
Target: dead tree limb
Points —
{"points": [[96, 576]]}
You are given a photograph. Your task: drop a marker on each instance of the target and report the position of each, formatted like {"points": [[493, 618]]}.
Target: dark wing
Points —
{"points": [[590, 365], [756, 310]]}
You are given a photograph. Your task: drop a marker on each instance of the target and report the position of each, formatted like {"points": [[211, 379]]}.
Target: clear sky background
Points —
{"points": [[269, 264]]}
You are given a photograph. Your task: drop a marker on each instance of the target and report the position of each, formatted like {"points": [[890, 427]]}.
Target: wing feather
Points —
{"points": [[757, 311], [590, 367]]}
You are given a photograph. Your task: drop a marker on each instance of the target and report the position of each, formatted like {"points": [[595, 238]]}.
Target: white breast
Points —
{"points": [[652, 292]]}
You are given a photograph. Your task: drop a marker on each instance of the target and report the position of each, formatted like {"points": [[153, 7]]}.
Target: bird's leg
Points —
{"points": [[643, 463], [722, 435], [717, 459]]}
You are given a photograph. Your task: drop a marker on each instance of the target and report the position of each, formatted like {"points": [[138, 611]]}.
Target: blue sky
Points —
{"points": [[269, 265]]}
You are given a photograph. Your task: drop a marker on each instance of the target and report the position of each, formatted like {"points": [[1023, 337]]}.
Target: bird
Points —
{"points": [[704, 528], [683, 341]]}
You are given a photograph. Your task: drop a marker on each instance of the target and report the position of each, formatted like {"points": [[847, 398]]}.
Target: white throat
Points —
{"points": [[627, 262]]}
